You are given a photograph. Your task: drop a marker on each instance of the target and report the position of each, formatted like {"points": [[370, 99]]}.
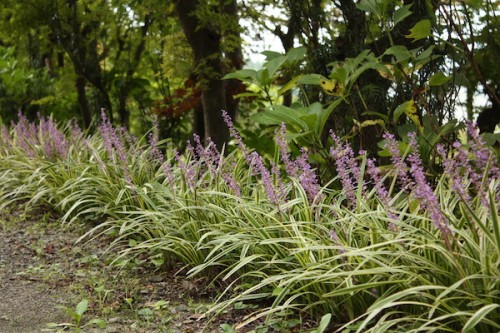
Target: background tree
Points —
{"points": [[211, 29], [103, 41], [428, 70], [141, 60]]}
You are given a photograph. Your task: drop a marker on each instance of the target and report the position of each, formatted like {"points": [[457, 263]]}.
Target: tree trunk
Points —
{"points": [[82, 101], [206, 45]]}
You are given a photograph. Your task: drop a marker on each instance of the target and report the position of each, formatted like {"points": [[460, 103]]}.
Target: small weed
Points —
{"points": [[76, 315]]}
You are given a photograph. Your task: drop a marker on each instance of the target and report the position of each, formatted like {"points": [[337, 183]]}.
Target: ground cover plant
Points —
{"points": [[377, 248]]}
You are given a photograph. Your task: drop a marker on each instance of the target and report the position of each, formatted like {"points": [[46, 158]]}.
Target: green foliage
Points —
{"points": [[77, 315], [372, 272], [29, 90], [382, 265]]}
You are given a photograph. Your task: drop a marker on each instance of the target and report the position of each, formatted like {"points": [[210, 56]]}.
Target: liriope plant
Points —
{"points": [[387, 252]]}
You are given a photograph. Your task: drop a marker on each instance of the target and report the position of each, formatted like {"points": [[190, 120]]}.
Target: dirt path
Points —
{"points": [[26, 304], [42, 269]]}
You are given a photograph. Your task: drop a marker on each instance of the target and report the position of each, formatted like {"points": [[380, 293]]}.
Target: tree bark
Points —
{"points": [[205, 41], [82, 101]]}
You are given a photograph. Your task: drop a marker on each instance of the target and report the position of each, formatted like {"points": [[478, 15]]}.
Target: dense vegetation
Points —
{"points": [[389, 251], [366, 66], [332, 181]]}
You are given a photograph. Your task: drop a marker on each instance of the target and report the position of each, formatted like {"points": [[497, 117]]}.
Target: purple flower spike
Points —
{"points": [[423, 191], [374, 173], [260, 169], [112, 140], [347, 168], [235, 135], [398, 163], [300, 168]]}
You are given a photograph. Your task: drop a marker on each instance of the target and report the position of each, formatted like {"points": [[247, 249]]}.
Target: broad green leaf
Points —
{"points": [[402, 13], [323, 324], [400, 52], [400, 110], [438, 79], [411, 112], [491, 138], [387, 72], [339, 74], [281, 114], [263, 77], [370, 6], [296, 54], [82, 307], [325, 114], [293, 136], [311, 120], [421, 30], [353, 63], [360, 70], [273, 65], [270, 55], [332, 87], [314, 108], [311, 79], [242, 74], [426, 54]]}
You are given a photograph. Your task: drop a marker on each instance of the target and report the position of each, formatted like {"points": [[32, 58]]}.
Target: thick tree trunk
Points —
{"points": [[205, 43], [82, 101]]}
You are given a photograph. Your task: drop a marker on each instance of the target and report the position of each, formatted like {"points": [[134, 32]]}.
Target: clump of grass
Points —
{"points": [[389, 252]]}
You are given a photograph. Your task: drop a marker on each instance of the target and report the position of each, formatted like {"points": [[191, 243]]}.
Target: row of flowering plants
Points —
{"points": [[389, 250]]}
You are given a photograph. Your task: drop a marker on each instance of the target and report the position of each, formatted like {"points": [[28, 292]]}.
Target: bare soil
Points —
{"points": [[43, 270]]}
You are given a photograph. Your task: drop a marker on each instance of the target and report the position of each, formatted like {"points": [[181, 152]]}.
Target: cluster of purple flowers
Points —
{"points": [[115, 143], [471, 163], [347, 168], [471, 166], [275, 194], [54, 140], [298, 168], [44, 139], [423, 191]]}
